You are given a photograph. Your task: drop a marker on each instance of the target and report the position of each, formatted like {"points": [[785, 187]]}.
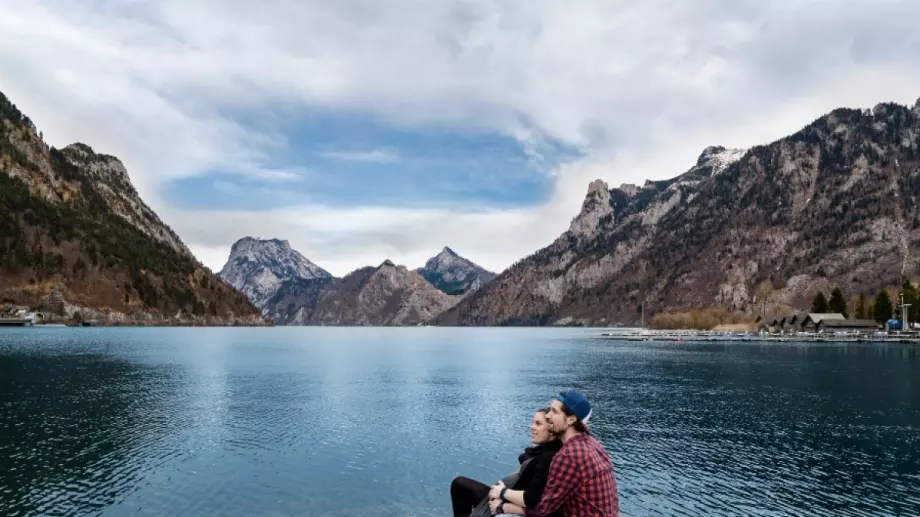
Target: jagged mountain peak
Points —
{"points": [[628, 189], [453, 274], [708, 152], [604, 207], [594, 209], [717, 158], [80, 148], [259, 245], [257, 267], [598, 187], [101, 167]]}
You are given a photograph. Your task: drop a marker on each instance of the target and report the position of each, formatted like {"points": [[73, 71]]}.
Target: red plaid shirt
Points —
{"points": [[581, 482]]}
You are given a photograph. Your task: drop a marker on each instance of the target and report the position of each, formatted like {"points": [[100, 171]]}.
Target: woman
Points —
{"points": [[469, 496]]}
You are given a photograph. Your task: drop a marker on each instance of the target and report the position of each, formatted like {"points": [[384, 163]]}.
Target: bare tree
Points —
{"points": [[764, 296]]}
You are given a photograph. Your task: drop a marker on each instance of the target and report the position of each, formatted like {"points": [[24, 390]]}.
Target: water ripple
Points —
{"points": [[376, 422]]}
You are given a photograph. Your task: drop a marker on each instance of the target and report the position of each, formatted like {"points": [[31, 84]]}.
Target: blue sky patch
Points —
{"points": [[341, 160]]}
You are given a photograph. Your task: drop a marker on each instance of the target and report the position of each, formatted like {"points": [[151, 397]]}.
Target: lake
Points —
{"points": [[376, 422]]}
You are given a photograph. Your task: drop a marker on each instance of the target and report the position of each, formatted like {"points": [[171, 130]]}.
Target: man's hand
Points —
{"points": [[496, 491], [493, 505]]}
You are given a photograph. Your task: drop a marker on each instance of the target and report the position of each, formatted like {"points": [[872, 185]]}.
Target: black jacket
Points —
{"points": [[535, 474]]}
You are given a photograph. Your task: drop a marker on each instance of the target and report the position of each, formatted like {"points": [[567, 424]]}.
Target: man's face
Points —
{"points": [[556, 419]]}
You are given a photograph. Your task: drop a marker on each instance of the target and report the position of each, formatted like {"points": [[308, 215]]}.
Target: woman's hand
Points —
{"points": [[493, 505], [496, 492]]}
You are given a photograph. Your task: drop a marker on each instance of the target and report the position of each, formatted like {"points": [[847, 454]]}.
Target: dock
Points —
{"points": [[752, 337], [15, 322]]}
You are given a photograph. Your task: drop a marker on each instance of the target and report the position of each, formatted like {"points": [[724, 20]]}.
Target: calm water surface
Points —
{"points": [[376, 422]]}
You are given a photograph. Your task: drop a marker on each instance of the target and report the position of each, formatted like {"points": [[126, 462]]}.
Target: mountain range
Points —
{"points": [[384, 295], [291, 290], [752, 230], [77, 241], [833, 204]]}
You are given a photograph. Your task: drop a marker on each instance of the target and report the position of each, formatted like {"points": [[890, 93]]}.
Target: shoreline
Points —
{"points": [[162, 324], [695, 336], [631, 334]]}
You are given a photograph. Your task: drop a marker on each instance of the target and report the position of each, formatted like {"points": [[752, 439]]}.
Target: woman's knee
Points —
{"points": [[463, 483]]}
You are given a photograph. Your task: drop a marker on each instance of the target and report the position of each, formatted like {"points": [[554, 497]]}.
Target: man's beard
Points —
{"points": [[554, 432]]}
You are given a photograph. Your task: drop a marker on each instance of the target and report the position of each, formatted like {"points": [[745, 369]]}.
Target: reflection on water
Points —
{"points": [[291, 422]]}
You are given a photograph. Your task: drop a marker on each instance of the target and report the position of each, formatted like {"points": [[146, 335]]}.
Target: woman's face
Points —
{"points": [[539, 431]]}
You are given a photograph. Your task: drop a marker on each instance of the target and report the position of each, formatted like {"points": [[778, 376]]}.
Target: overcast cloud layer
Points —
{"points": [[203, 89]]}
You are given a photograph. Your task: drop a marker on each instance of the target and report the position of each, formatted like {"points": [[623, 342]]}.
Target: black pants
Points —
{"points": [[466, 493]]}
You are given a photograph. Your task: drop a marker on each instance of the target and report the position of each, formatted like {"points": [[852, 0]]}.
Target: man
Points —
{"points": [[581, 479]]}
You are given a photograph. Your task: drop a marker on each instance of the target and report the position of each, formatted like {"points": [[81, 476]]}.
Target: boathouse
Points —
{"points": [[769, 323], [810, 322], [836, 325], [792, 322]]}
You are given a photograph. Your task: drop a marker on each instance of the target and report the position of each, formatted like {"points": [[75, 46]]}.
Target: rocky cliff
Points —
{"points": [[832, 204], [258, 267], [76, 238], [453, 274], [383, 295]]}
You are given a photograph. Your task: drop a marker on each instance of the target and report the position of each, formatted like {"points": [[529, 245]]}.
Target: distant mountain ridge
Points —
{"points": [[383, 295], [291, 290]]}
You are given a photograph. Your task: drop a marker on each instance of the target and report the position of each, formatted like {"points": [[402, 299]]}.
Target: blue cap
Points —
{"points": [[577, 403]]}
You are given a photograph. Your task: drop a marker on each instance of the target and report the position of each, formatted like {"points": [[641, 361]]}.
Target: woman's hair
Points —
{"points": [[543, 410], [578, 425]]}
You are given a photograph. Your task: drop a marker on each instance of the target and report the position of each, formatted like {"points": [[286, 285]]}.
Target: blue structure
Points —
{"points": [[893, 324]]}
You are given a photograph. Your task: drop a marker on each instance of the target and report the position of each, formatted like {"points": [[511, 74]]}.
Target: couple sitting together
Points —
{"points": [[567, 472]]}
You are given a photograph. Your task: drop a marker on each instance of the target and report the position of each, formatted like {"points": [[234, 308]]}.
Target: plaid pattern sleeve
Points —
{"points": [[581, 482], [563, 479]]}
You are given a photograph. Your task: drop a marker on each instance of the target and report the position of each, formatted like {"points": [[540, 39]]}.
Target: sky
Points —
{"points": [[366, 130]]}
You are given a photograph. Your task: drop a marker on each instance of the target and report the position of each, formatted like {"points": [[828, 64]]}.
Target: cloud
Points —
{"points": [[374, 156], [179, 89], [342, 240], [274, 174]]}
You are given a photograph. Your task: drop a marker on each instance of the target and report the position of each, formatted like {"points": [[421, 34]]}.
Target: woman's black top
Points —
{"points": [[535, 474]]}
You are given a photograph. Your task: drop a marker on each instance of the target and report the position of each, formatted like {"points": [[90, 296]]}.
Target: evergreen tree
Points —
{"points": [[883, 309], [862, 312], [838, 303], [819, 303]]}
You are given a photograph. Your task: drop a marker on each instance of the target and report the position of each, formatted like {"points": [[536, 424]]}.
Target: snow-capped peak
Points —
{"points": [[718, 158]]}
